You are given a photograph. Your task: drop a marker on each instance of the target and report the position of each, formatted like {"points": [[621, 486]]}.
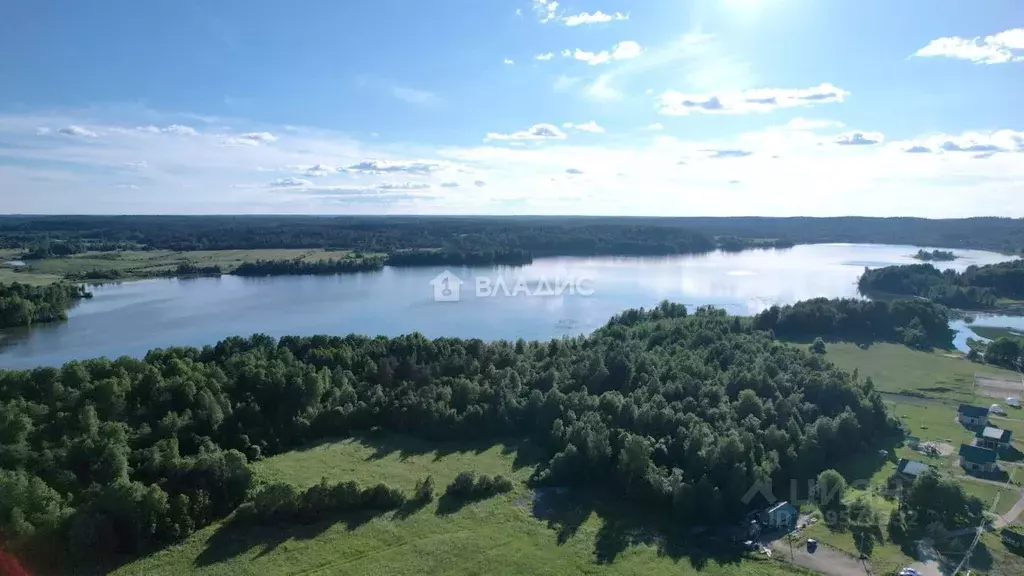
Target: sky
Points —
{"points": [[603, 107]]}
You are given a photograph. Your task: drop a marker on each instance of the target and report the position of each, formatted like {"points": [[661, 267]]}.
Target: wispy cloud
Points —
{"points": [[509, 61], [595, 18], [590, 126], [544, 56], [673, 103], [535, 132], [859, 139], [624, 50], [1006, 46], [75, 130]]}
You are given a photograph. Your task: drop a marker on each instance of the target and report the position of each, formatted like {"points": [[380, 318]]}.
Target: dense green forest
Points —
{"points": [[916, 323], [300, 266], [511, 257], [538, 235], [977, 287], [679, 413], [934, 256], [23, 304]]}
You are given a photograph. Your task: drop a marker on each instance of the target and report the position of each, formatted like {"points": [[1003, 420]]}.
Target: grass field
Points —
{"points": [[996, 333], [898, 369], [142, 264], [495, 537]]}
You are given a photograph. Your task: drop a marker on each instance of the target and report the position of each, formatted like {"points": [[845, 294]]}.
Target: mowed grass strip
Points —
{"points": [[496, 537]]}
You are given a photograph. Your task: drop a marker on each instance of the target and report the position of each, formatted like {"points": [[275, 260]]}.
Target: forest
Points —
{"points": [[977, 287], [680, 413], [916, 323], [24, 304], [538, 235], [317, 267], [934, 256]]}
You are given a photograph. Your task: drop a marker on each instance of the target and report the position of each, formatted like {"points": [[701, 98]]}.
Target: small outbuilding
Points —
{"points": [[977, 459], [970, 415]]}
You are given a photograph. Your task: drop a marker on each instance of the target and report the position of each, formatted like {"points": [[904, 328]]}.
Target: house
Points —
{"points": [[969, 415], [909, 470], [1012, 538], [993, 438], [781, 516], [977, 459]]}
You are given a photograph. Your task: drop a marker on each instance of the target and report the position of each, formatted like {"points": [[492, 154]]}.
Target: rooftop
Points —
{"points": [[977, 454], [972, 411], [993, 433], [911, 467]]}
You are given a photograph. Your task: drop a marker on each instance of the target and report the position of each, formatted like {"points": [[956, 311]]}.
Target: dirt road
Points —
{"points": [[825, 560]]}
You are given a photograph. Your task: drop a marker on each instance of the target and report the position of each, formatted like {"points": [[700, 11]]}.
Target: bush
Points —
{"points": [[818, 347], [424, 491], [462, 486], [465, 487]]}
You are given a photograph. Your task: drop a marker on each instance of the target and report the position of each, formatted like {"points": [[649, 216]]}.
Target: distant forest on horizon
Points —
{"points": [[539, 235]]}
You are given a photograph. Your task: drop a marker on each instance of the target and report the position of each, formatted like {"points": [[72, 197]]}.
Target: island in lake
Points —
{"points": [[935, 256]]}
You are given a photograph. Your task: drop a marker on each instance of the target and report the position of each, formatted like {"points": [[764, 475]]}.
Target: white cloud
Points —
{"points": [[42, 131], [403, 186], [654, 127], [859, 139], [480, 183], [782, 171], [590, 126], [180, 130], [624, 50], [1006, 46], [509, 61], [546, 10], [978, 143], [673, 103], [318, 170], [290, 183], [535, 132], [250, 139], [136, 165], [544, 56], [595, 18], [75, 130], [395, 167]]}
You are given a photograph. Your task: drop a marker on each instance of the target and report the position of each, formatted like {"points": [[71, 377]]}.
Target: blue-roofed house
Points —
{"points": [[972, 415], [909, 470], [993, 438], [977, 459]]}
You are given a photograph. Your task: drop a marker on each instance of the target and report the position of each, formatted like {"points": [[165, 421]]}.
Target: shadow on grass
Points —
{"points": [[1011, 454], [238, 536], [624, 526]]}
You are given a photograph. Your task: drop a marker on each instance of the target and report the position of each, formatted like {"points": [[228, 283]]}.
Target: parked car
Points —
{"points": [[997, 409], [909, 572], [812, 545], [1013, 402]]}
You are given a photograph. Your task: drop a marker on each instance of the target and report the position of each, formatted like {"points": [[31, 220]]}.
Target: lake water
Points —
{"points": [[133, 317]]}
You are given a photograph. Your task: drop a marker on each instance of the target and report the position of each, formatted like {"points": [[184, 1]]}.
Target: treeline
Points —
{"points": [[977, 287], [916, 323], [678, 412], [1005, 352], [934, 255], [24, 304], [300, 266], [43, 247], [511, 257], [538, 235], [193, 269], [282, 502], [736, 244]]}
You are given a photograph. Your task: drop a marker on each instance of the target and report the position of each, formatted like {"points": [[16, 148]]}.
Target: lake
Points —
{"points": [[133, 317]]}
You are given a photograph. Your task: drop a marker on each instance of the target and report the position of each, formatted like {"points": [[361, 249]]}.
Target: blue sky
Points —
{"points": [[684, 107]]}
